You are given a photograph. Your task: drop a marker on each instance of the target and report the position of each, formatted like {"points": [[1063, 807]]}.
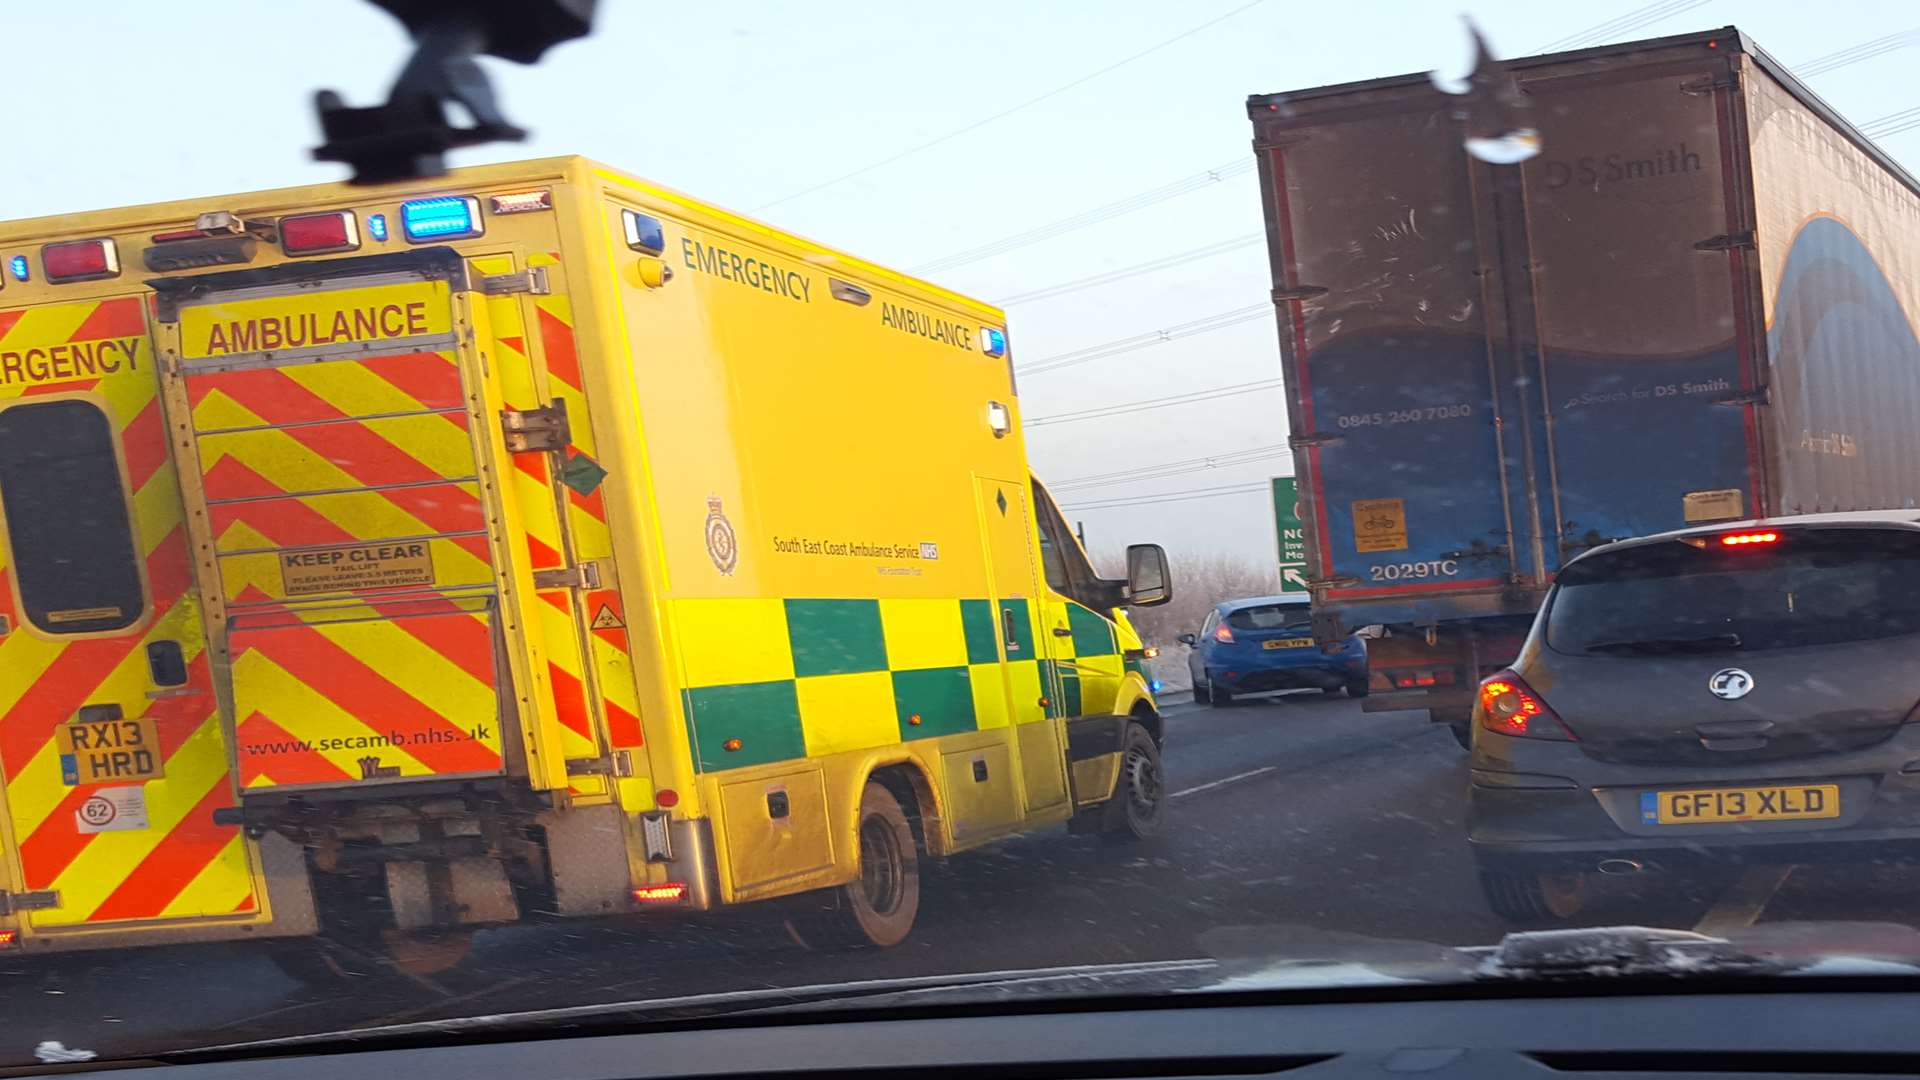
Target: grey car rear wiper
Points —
{"points": [[1704, 643]]}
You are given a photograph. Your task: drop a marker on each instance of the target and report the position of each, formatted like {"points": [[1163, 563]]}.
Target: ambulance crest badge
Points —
{"points": [[722, 546]]}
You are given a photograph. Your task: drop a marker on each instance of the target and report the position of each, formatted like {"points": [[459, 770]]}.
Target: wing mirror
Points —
{"points": [[1188, 640], [1148, 581]]}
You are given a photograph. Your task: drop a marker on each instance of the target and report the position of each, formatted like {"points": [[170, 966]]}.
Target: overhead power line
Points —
{"points": [[1853, 54], [1204, 325], [1009, 111], [1170, 400], [1622, 25], [1196, 182], [1171, 496], [1110, 276], [1169, 469]]}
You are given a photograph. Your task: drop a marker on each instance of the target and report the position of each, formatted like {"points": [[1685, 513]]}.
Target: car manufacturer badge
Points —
{"points": [[1729, 684]]}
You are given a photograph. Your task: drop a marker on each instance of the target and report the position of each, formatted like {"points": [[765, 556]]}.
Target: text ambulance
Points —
{"points": [[385, 562]]}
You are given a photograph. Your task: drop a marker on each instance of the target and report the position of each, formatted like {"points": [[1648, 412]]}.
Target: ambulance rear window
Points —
{"points": [[70, 538]]}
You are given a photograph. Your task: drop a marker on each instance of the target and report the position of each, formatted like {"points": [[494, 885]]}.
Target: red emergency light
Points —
{"points": [[80, 260], [320, 234], [670, 893]]}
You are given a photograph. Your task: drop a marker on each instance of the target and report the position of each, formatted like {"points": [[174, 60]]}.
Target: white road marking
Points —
{"points": [[1740, 906], [1235, 778]]}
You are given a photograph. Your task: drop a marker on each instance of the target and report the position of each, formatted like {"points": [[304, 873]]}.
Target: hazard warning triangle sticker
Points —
{"points": [[605, 619]]}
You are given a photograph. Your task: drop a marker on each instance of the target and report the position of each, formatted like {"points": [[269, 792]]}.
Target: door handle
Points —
{"points": [[1006, 625], [1061, 631]]}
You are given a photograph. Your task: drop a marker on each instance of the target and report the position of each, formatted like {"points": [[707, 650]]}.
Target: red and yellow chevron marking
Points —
{"points": [[587, 514], [521, 388], [409, 685], [181, 864]]}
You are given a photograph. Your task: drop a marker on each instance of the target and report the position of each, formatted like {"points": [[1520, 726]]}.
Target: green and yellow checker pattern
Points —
{"points": [[769, 679]]}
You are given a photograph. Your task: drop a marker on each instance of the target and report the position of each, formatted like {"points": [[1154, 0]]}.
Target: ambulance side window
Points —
{"points": [[63, 501], [1067, 568]]}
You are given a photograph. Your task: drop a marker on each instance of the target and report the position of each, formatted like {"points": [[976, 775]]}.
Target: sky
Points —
{"points": [[909, 134]]}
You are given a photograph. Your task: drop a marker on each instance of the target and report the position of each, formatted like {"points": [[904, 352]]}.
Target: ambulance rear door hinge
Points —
{"points": [[11, 902], [532, 280], [536, 431], [618, 763], [584, 576]]}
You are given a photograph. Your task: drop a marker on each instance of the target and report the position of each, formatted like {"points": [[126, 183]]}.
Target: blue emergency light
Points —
{"points": [[993, 342], [453, 217], [1154, 686], [18, 264], [377, 226]]}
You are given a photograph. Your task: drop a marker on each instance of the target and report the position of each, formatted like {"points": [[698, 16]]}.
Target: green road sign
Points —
{"points": [[1293, 540]]}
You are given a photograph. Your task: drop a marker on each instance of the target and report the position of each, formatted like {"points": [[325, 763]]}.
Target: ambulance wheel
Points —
{"points": [[421, 954], [1139, 799], [318, 962], [877, 908]]}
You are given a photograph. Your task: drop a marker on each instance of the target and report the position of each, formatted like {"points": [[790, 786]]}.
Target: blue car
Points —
{"points": [[1266, 643]]}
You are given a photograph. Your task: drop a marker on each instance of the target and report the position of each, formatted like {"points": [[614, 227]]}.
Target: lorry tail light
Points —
{"points": [[671, 893], [1510, 707], [451, 217], [320, 234], [80, 260], [1222, 634], [1416, 678]]}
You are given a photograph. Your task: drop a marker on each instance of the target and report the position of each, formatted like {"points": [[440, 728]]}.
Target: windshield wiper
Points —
{"points": [[1705, 643]]}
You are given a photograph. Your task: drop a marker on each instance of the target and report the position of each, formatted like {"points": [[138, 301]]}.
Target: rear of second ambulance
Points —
{"points": [[388, 521], [1494, 366]]}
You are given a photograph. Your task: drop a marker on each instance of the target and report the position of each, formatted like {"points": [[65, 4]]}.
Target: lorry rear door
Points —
{"points": [[1385, 330], [1638, 244], [112, 754], [365, 559]]}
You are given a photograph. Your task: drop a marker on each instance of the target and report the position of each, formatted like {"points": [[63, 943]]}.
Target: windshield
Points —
{"points": [[666, 509], [1808, 588]]}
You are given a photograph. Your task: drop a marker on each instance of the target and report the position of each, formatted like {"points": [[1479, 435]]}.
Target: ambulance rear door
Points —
{"points": [[361, 548]]}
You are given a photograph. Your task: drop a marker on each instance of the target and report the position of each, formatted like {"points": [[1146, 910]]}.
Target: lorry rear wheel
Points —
{"points": [[1357, 688], [1139, 799], [877, 908]]}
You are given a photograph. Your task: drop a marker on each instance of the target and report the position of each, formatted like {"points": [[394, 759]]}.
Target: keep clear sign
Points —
{"points": [[105, 750], [114, 809]]}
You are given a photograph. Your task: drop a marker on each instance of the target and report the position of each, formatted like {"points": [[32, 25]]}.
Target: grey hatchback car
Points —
{"points": [[1742, 693]]}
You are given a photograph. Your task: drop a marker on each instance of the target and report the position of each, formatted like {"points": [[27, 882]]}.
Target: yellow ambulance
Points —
{"points": [[381, 563]]}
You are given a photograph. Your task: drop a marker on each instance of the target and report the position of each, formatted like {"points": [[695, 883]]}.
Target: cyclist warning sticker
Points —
{"points": [[356, 566], [1379, 525], [114, 809]]}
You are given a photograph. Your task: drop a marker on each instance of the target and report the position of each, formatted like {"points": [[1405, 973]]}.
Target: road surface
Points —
{"points": [[1292, 812]]}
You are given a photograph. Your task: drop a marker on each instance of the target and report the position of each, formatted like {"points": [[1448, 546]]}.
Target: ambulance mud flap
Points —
{"points": [[343, 475], [1093, 756]]}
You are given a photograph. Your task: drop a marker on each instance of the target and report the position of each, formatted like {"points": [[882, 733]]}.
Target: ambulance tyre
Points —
{"points": [[877, 908], [1139, 801], [319, 962]]}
